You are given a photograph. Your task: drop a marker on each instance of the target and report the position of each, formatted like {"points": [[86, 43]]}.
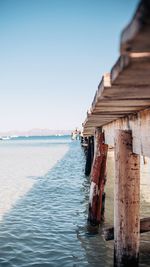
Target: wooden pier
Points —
{"points": [[120, 112]]}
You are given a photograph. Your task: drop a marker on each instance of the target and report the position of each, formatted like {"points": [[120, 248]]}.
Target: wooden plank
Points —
{"points": [[135, 73], [88, 132], [96, 124], [144, 228], [139, 124], [136, 36], [103, 121], [128, 102], [127, 92], [100, 115], [119, 66], [104, 83], [121, 109], [126, 201], [110, 113]]}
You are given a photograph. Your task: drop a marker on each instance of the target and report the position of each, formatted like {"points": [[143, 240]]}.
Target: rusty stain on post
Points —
{"points": [[98, 178]]}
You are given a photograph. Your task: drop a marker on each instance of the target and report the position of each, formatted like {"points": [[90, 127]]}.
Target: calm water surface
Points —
{"points": [[47, 226]]}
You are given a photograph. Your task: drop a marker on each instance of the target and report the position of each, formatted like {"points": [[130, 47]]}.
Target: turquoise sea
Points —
{"points": [[44, 199]]}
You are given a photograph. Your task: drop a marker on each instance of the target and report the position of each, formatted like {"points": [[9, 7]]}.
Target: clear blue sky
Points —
{"points": [[52, 56]]}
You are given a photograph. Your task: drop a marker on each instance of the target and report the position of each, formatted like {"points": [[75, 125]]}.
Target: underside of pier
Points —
{"points": [[120, 112]]}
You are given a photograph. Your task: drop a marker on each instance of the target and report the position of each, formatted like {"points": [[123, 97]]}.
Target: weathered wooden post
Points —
{"points": [[127, 202], [98, 178], [89, 155]]}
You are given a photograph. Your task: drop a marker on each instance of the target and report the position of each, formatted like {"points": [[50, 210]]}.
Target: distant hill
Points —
{"points": [[36, 132]]}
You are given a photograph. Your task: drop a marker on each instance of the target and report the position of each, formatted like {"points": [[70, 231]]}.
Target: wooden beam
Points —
{"points": [[135, 74], [126, 89], [139, 124], [121, 64], [127, 92], [121, 102], [99, 116], [122, 92], [136, 36], [119, 109], [126, 202], [104, 83], [108, 233]]}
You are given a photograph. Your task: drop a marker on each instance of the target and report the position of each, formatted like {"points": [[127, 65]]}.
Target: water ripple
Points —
{"points": [[47, 227]]}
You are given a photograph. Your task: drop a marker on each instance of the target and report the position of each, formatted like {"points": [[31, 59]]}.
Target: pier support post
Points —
{"points": [[98, 178], [126, 201], [89, 155]]}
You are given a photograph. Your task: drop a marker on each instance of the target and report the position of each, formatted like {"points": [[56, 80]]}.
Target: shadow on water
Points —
{"points": [[47, 227]]}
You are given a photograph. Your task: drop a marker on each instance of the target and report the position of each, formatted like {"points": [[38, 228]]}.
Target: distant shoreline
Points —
{"points": [[20, 137], [35, 132]]}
